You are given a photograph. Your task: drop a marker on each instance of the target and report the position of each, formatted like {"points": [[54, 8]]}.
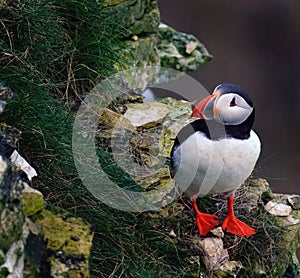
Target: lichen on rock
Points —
{"points": [[68, 243], [32, 237], [181, 51], [32, 200]]}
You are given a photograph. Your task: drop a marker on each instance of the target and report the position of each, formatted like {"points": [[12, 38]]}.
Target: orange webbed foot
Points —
{"points": [[205, 222], [232, 225]]}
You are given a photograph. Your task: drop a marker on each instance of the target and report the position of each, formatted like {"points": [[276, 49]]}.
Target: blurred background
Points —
{"points": [[256, 45]]}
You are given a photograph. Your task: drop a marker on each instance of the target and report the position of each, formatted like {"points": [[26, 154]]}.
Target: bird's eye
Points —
{"points": [[232, 102]]}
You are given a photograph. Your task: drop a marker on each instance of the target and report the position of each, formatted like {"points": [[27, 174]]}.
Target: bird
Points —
{"points": [[216, 153]]}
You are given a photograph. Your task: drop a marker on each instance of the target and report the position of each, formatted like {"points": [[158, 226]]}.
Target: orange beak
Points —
{"points": [[205, 109]]}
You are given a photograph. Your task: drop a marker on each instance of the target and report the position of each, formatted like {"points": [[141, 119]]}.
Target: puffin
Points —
{"points": [[216, 153]]}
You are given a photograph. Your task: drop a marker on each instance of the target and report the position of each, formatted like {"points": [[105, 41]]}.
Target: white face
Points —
{"points": [[231, 109]]}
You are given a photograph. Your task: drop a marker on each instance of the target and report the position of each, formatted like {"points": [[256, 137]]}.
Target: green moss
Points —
{"points": [[32, 203], [68, 234]]}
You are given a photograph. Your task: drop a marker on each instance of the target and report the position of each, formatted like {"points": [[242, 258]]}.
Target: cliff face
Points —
{"points": [[147, 42], [38, 240]]}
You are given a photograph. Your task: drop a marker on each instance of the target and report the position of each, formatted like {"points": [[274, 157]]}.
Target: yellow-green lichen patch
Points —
{"points": [[68, 234], [32, 201]]}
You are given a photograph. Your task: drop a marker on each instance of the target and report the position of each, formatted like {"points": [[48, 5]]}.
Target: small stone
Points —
{"points": [[135, 38], [172, 233], [294, 201], [214, 253], [231, 269], [278, 209], [33, 227], [292, 220], [218, 232]]}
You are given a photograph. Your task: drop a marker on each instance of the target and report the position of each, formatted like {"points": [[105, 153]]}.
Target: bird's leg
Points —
{"points": [[233, 225], [205, 222]]}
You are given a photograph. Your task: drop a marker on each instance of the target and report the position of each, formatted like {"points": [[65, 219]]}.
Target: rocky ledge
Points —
{"points": [[150, 129]]}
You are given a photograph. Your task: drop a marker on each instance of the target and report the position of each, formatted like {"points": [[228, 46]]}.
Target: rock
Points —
{"points": [[294, 201], [12, 222], [14, 261], [180, 51], [260, 183], [177, 119], [214, 253], [57, 239], [154, 179], [230, 269], [146, 115], [218, 232], [278, 209], [68, 241], [179, 109], [172, 233], [170, 130], [254, 191], [292, 220], [32, 200], [111, 123], [176, 52], [135, 16], [142, 61]]}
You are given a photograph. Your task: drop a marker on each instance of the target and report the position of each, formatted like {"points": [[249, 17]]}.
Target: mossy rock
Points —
{"points": [[32, 201], [180, 51], [141, 59], [68, 243], [136, 16]]}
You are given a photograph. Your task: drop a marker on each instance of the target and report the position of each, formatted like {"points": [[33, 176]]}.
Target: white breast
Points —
{"points": [[205, 166]]}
